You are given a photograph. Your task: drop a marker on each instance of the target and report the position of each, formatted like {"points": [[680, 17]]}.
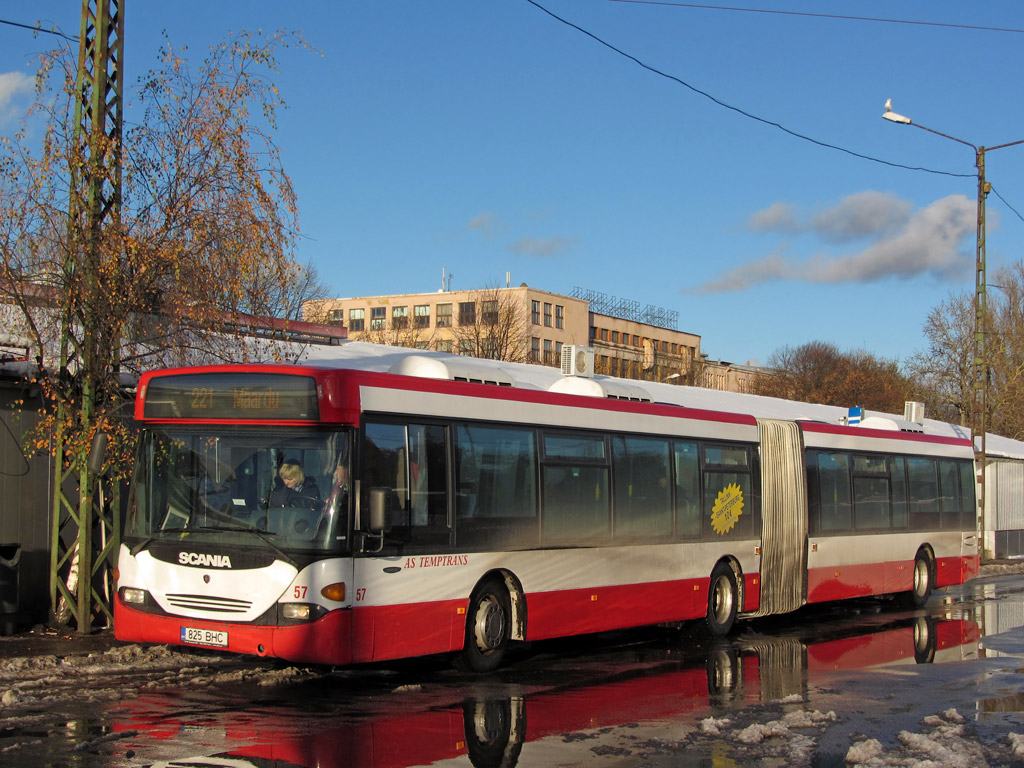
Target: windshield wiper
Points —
{"points": [[263, 536]]}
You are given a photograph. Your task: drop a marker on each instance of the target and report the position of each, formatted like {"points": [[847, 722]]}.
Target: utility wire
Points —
{"points": [[823, 15], [746, 114], [39, 29], [1015, 211]]}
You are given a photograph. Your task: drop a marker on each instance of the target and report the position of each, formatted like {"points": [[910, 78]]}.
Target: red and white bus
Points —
{"points": [[459, 512]]}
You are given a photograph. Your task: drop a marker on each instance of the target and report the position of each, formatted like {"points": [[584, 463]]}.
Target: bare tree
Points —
{"points": [[944, 371], [498, 328]]}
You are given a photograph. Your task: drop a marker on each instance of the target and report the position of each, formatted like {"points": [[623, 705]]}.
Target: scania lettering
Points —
{"points": [[452, 505], [194, 558]]}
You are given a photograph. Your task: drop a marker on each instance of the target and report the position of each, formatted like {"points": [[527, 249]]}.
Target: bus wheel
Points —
{"points": [[723, 600], [925, 641], [922, 588], [488, 627], [723, 668], [495, 730]]}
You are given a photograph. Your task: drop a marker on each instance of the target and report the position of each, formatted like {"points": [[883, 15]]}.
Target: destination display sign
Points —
{"points": [[272, 396]]}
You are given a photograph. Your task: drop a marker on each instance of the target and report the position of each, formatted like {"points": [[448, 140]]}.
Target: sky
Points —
{"points": [[729, 165]]}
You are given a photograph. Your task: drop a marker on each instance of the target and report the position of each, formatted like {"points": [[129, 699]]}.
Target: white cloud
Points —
{"points": [[12, 84], [863, 215], [484, 223], [543, 247], [907, 245]]}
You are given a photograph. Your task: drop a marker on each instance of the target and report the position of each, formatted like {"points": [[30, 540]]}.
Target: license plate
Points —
{"points": [[195, 636]]}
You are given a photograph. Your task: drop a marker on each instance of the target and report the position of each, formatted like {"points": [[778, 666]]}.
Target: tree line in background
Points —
{"points": [[941, 375]]}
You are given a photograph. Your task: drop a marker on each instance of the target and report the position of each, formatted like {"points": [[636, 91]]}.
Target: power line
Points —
{"points": [[743, 112], [1015, 211], [823, 16], [39, 29]]}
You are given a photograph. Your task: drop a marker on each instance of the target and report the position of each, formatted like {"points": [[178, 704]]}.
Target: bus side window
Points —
{"points": [[834, 492], [949, 495], [924, 504], [687, 480], [575, 482], [384, 465], [898, 480], [728, 505], [968, 499], [643, 498]]}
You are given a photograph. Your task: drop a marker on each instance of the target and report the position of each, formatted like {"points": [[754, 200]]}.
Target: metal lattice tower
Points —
{"points": [[84, 537]]}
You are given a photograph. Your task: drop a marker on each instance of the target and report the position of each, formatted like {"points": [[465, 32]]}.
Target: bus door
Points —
{"points": [[408, 593]]}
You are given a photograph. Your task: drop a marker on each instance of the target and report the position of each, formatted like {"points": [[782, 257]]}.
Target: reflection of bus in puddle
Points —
{"points": [[491, 730]]}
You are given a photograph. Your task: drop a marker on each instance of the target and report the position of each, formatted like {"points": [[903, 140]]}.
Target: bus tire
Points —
{"points": [[494, 731], [723, 600], [925, 640], [488, 627], [723, 669], [921, 589]]}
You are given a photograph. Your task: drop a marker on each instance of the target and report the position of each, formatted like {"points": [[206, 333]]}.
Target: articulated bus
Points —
{"points": [[457, 514]]}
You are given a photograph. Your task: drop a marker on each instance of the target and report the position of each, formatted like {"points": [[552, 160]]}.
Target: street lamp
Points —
{"points": [[979, 408]]}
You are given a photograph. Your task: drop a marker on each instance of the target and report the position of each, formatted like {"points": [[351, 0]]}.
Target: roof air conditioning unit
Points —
{"points": [[913, 412], [577, 360]]}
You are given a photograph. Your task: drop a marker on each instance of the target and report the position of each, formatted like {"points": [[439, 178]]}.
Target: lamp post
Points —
{"points": [[979, 399]]}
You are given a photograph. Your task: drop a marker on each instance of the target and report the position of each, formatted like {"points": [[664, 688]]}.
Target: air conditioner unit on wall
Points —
{"points": [[577, 360]]}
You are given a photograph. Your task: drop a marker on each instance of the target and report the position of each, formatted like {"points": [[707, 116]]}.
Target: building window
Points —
{"points": [[548, 357], [636, 340], [444, 345], [421, 345], [378, 318], [356, 319], [421, 315], [615, 337], [547, 314], [604, 334], [444, 315], [535, 313], [664, 347], [593, 332], [489, 312], [466, 347], [535, 349], [467, 313], [337, 316], [558, 350], [399, 318], [559, 316]]}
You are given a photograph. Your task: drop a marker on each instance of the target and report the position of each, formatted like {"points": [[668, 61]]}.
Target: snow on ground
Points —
{"points": [[42, 682]]}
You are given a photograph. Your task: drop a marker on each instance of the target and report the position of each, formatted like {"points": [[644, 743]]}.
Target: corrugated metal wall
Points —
{"points": [[1004, 502], [25, 490]]}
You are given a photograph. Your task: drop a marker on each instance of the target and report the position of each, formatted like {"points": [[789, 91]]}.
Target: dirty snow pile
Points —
{"points": [[778, 738], [946, 743], [40, 682]]}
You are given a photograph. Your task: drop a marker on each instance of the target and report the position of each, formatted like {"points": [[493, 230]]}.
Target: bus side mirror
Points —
{"points": [[98, 452], [377, 524], [377, 519]]}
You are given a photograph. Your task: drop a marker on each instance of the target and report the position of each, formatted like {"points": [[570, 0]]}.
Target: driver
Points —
{"points": [[297, 489]]}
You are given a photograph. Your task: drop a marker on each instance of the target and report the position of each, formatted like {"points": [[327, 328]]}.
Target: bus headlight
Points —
{"points": [[135, 596], [295, 611]]}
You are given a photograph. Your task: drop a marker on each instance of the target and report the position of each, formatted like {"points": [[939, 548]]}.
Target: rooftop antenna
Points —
{"points": [[508, 278]]}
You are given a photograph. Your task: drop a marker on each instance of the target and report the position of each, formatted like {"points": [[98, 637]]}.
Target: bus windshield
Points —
{"points": [[283, 488]]}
